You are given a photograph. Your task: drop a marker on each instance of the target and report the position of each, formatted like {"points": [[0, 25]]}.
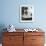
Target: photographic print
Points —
{"points": [[26, 13]]}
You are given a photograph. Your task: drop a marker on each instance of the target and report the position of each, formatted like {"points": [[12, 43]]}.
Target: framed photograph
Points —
{"points": [[26, 13]]}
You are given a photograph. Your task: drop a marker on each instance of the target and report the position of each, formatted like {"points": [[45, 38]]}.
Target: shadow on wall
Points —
{"points": [[2, 26]]}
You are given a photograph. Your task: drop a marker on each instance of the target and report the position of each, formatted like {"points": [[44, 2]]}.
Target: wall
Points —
{"points": [[9, 13]]}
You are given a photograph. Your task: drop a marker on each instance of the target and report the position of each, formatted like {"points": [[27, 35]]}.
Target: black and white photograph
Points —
{"points": [[26, 13]]}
